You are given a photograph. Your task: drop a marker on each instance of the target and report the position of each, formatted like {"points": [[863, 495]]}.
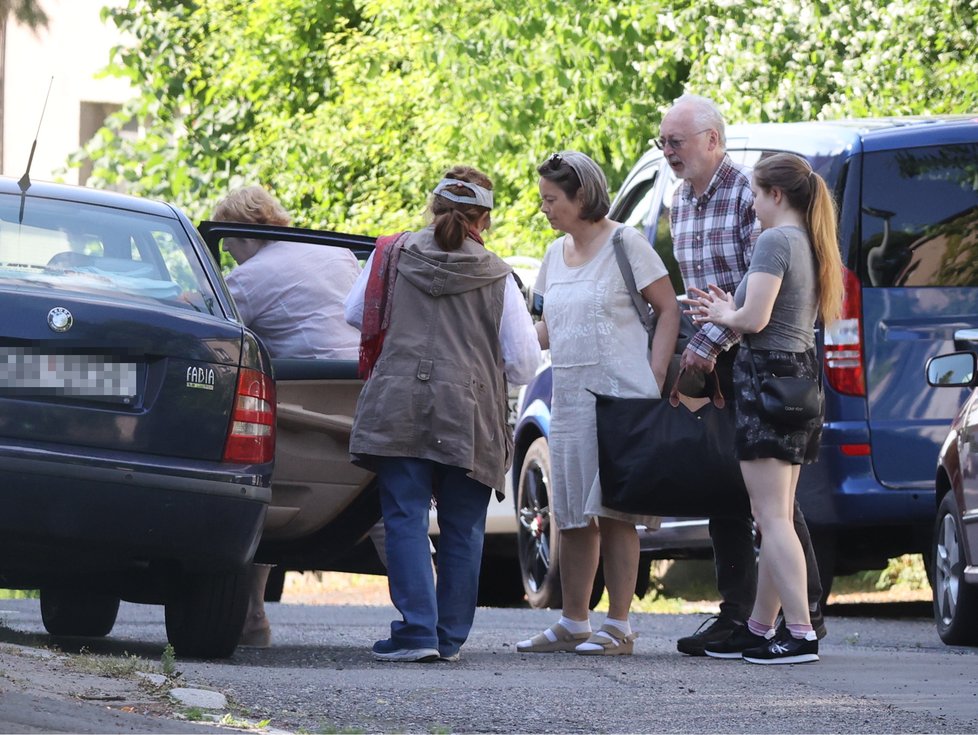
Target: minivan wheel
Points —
{"points": [[205, 613], [538, 538], [955, 601], [78, 612]]}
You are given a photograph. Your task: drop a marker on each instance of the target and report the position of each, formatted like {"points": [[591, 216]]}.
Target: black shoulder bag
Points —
{"points": [[787, 401]]}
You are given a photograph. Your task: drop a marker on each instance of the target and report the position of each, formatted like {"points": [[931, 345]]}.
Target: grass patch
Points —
{"points": [[689, 586], [118, 667], [19, 594], [905, 573]]}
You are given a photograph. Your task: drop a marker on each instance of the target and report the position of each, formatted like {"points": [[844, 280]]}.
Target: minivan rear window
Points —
{"points": [[919, 217]]}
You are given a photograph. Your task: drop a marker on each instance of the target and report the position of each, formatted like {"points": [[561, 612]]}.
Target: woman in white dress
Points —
{"points": [[597, 343]]}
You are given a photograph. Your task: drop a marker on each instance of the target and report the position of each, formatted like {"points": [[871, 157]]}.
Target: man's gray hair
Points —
{"points": [[706, 113]]}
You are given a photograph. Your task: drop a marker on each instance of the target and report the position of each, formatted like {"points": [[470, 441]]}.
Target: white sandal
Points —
{"points": [[612, 642], [540, 643]]}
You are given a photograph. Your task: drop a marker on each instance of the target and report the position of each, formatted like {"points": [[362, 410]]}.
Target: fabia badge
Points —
{"points": [[200, 377], [60, 319]]}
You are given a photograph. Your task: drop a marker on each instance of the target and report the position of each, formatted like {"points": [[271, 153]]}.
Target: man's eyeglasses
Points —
{"points": [[675, 143]]}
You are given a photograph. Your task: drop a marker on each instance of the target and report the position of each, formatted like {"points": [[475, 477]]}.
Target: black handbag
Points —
{"points": [[656, 457], [788, 401]]}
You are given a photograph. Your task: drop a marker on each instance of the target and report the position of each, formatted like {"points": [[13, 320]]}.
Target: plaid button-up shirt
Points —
{"points": [[713, 238]]}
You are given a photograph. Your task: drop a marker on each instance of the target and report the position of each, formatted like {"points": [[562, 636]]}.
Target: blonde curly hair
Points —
{"points": [[253, 205]]}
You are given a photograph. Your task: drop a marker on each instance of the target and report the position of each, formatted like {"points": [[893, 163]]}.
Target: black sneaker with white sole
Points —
{"points": [[736, 643], [712, 630], [785, 649]]}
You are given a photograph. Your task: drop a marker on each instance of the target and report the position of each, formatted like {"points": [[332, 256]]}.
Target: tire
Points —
{"points": [[538, 539], [205, 613], [78, 612], [955, 601]]}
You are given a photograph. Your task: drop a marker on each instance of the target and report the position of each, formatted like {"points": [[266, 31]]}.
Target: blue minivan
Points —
{"points": [[907, 195]]}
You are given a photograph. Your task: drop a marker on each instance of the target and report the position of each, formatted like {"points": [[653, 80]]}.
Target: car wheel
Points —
{"points": [[78, 612], [955, 601], [537, 536], [205, 613]]}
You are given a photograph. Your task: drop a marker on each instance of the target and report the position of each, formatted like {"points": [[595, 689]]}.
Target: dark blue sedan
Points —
{"points": [[137, 418]]}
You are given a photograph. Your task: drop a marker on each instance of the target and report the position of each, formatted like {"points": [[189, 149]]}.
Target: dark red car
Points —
{"points": [[955, 545]]}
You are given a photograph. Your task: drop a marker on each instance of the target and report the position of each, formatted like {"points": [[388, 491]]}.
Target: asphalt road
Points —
{"points": [[877, 675]]}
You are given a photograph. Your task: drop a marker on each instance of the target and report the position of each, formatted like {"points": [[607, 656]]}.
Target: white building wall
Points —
{"points": [[73, 49]]}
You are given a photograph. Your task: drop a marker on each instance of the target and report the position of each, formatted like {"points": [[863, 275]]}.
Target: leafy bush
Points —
{"points": [[350, 109]]}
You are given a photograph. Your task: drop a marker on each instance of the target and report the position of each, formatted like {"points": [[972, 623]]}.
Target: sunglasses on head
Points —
{"points": [[554, 162]]}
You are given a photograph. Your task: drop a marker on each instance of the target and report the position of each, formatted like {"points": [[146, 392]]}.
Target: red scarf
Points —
{"points": [[377, 300]]}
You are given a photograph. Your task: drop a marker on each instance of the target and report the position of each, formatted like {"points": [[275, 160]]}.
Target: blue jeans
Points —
{"points": [[432, 618]]}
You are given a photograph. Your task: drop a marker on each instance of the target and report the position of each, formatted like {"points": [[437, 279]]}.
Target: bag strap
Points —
{"points": [[750, 361], [625, 267]]}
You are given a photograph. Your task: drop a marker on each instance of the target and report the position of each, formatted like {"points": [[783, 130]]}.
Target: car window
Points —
{"points": [[86, 248], [663, 234], [919, 217], [635, 206], [641, 205]]}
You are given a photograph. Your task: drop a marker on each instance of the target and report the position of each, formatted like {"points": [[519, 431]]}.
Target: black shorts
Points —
{"points": [[757, 436]]}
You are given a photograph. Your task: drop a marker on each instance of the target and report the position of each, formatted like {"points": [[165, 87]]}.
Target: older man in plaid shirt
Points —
{"points": [[713, 233]]}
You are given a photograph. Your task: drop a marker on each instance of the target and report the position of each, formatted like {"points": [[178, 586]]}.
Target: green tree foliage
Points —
{"points": [[349, 109]]}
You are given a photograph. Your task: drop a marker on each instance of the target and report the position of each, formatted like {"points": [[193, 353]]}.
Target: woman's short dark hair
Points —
{"points": [[578, 176]]}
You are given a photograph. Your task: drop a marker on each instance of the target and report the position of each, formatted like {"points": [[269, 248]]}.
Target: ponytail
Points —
{"points": [[453, 220], [451, 229], [807, 192], [821, 220]]}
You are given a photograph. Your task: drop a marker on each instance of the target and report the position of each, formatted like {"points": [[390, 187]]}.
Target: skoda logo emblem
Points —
{"points": [[60, 319]]}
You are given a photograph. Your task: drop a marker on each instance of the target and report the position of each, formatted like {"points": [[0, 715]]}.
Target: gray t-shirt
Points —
{"points": [[786, 252]]}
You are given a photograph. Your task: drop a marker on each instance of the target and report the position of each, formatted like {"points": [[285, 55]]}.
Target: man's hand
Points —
{"points": [[696, 363]]}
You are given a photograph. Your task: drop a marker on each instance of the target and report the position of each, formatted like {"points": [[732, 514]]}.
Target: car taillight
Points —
{"points": [[843, 343], [251, 436]]}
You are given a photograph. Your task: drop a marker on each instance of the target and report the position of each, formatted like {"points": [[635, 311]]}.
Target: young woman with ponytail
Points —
{"points": [[794, 279], [443, 327]]}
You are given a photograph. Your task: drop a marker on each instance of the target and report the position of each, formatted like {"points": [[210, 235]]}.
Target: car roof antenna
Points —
{"points": [[25, 180]]}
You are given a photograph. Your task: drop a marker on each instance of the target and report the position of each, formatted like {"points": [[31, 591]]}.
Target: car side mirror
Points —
{"points": [[956, 370]]}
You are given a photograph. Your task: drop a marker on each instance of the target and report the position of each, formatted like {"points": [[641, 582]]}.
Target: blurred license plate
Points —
{"points": [[24, 372]]}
